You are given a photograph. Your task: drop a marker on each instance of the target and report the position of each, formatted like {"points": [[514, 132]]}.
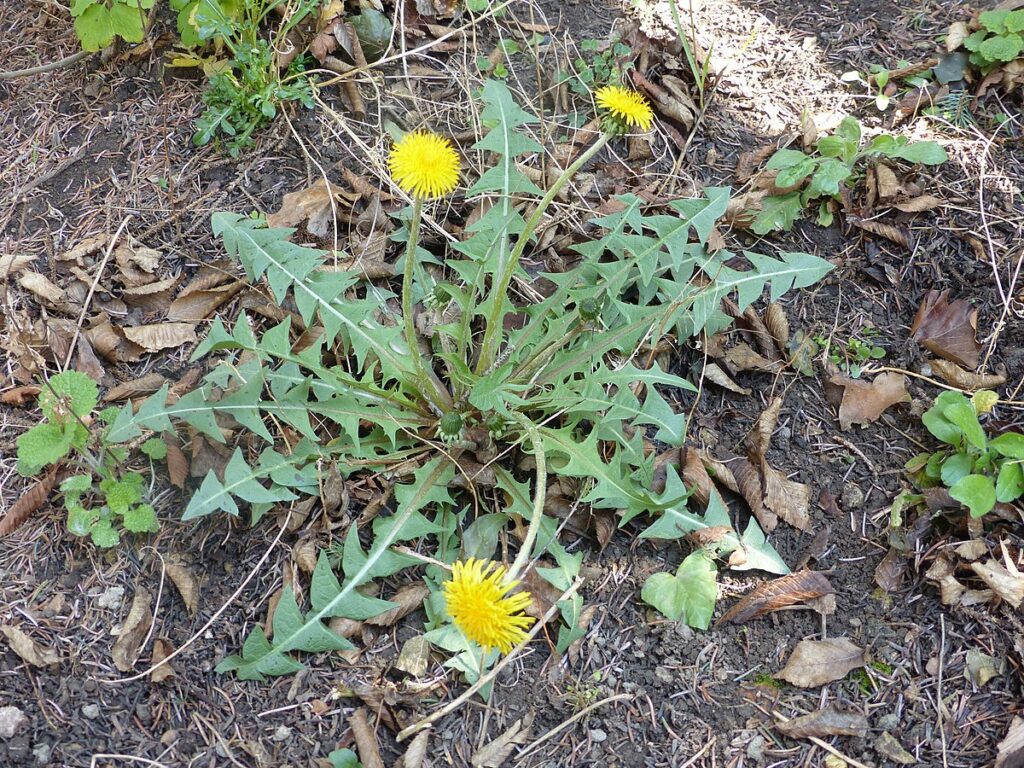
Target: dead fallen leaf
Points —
{"points": [[1010, 752], [888, 747], [890, 570], [919, 204], [776, 594], [817, 662], [777, 323], [743, 358], [86, 361], [716, 375], [941, 572], [886, 184], [980, 667], [407, 599], [898, 235], [787, 498], [862, 402], [186, 584], [825, 722], [314, 206], [494, 754], [760, 436], [128, 644], [947, 329], [144, 385], [28, 649], [958, 377], [161, 650], [177, 463], [20, 396], [955, 35], [416, 751], [40, 286], [199, 305], [153, 338], [366, 739], [414, 658], [751, 487], [1009, 585], [11, 263], [28, 502]]}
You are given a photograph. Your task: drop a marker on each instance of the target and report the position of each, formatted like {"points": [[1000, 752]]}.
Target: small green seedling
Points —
{"points": [[978, 470], [607, 63], [999, 41], [96, 497], [818, 178], [876, 82], [850, 357]]}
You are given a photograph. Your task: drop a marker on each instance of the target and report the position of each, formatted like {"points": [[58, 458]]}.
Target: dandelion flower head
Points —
{"points": [[478, 601], [625, 106], [425, 165]]}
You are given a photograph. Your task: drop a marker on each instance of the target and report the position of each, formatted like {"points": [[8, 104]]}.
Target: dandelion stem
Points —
{"points": [[493, 331], [538, 495]]}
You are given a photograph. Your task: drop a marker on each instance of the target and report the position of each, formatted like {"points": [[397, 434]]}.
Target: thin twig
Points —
{"points": [[578, 716], [67, 61]]}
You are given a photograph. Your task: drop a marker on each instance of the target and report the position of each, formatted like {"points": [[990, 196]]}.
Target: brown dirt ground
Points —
{"points": [[83, 148]]}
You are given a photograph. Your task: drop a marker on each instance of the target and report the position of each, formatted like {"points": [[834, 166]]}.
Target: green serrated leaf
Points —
{"points": [[155, 448], [67, 395], [687, 596], [141, 519], [42, 445], [95, 31]]}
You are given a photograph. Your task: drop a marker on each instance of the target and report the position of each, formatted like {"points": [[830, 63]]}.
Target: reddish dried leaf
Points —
{"points": [[778, 593], [947, 329], [889, 571], [777, 323], [826, 722], [20, 396], [751, 487], [761, 435], [407, 599], [177, 464], [144, 385], [787, 498], [28, 503]]}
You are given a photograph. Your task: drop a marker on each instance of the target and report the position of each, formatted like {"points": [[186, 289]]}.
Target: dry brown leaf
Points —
{"points": [[28, 502], [20, 396], [110, 342], [366, 739], [304, 553], [947, 329], [1010, 752], [543, 593], [88, 246], [716, 375], [199, 305], [414, 658], [955, 35], [751, 488], [778, 593], [749, 161], [187, 585], [761, 435], [777, 323], [697, 479], [1009, 585], [862, 402], [898, 235], [137, 263], [919, 204], [808, 130], [890, 570], [743, 358], [962, 379], [12, 263], [886, 183], [86, 361], [787, 498], [888, 747], [161, 650], [144, 385], [314, 206], [494, 754], [407, 599], [825, 722], [817, 662], [177, 464], [157, 336], [28, 649], [41, 287], [129, 641], [941, 572]]}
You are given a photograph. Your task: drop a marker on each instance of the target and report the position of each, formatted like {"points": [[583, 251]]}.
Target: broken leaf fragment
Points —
{"points": [[861, 402], [689, 595], [817, 662]]}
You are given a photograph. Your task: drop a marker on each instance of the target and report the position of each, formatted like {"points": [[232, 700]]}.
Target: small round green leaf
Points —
{"points": [[976, 492]]}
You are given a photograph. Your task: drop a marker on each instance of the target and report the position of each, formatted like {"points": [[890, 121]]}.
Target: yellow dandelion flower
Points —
{"points": [[424, 165], [478, 601], [625, 106]]}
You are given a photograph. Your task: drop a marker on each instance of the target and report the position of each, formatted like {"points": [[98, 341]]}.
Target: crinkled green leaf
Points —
{"points": [[41, 446], [67, 393]]}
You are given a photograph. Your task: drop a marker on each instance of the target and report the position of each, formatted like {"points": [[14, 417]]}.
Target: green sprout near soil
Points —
{"points": [[851, 356], [806, 180], [978, 469], [999, 40]]}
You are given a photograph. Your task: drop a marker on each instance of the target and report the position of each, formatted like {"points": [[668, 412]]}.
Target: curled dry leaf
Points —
{"points": [[817, 662], [761, 435], [28, 649], [12, 263], [416, 751], [777, 323], [947, 329], [955, 35], [314, 206], [861, 402], [919, 204], [407, 599], [1009, 585], [898, 235], [186, 584], [41, 287], [177, 463], [366, 739], [199, 305], [128, 644], [20, 396], [751, 488], [153, 338], [776, 594], [890, 570], [743, 358], [716, 375], [494, 754], [161, 650], [825, 722], [144, 385], [941, 572], [28, 503], [787, 498], [962, 379]]}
